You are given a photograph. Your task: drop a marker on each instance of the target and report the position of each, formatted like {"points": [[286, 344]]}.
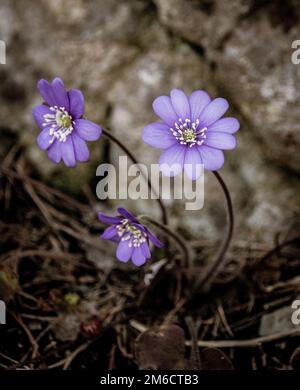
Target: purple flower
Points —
{"points": [[191, 132], [132, 237], [63, 132]]}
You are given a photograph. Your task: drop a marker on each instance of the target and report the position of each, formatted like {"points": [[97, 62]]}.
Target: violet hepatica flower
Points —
{"points": [[63, 131], [191, 132], [132, 237]]}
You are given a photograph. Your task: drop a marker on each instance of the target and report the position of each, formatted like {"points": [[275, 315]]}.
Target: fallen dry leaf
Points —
{"points": [[161, 348]]}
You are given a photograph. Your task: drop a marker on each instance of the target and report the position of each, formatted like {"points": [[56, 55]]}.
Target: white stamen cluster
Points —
{"points": [[61, 124], [187, 133], [127, 231]]}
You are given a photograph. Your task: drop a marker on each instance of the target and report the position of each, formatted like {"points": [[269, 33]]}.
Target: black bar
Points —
{"points": [[131, 379]]}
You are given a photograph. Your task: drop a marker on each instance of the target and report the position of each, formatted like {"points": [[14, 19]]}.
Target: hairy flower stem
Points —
{"points": [[179, 241], [134, 160], [216, 265]]}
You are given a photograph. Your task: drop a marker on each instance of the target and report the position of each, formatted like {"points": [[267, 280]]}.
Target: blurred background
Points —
{"points": [[123, 54]]}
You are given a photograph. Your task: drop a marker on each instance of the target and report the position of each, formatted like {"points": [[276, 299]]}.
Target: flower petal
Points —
{"points": [[138, 258], [67, 152], [109, 233], [44, 139], [127, 214], [76, 103], [146, 250], [219, 140], [163, 108], [213, 159], [193, 163], [154, 240], [54, 152], [87, 130], [158, 135], [225, 125], [60, 93], [46, 92], [213, 111], [180, 103], [172, 159], [38, 113], [107, 219], [198, 101], [124, 251], [81, 150]]}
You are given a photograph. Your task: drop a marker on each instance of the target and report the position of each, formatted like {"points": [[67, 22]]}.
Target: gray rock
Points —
{"points": [[204, 23], [264, 83], [277, 321]]}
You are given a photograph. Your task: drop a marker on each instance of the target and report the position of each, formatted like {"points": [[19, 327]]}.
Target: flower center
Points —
{"points": [[65, 121], [127, 231], [189, 136], [61, 123], [187, 132]]}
